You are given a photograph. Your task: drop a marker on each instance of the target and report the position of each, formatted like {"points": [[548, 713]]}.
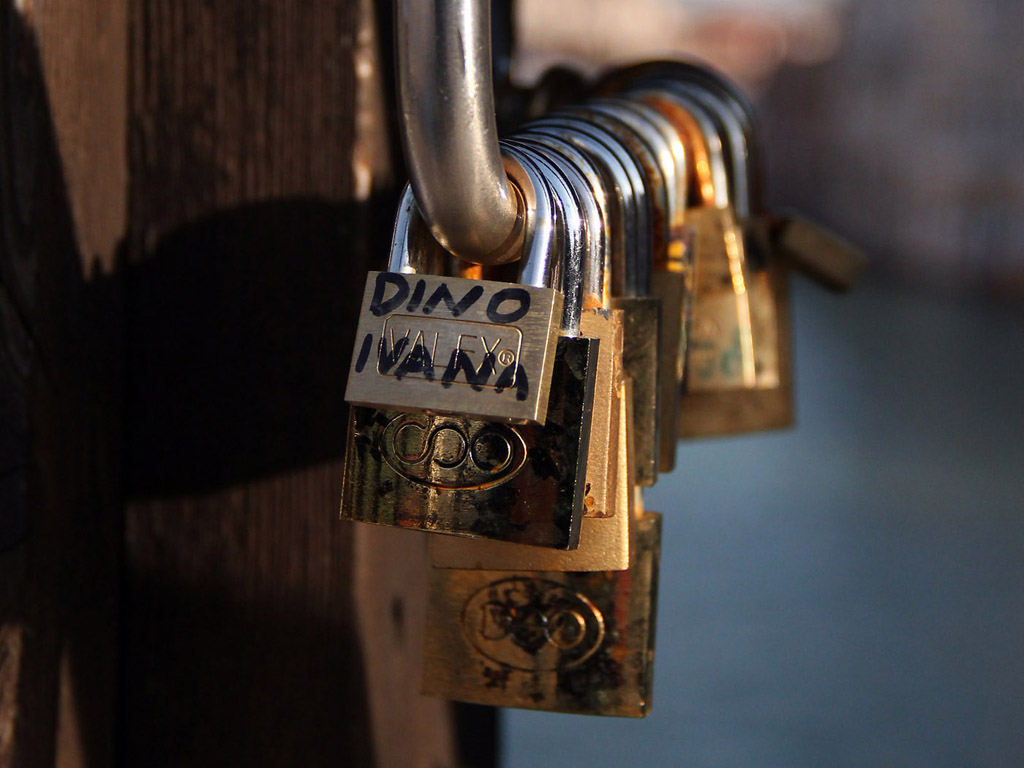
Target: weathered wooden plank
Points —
{"points": [[62, 209], [260, 193]]}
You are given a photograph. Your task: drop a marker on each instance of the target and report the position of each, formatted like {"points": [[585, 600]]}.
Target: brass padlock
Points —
{"points": [[577, 642], [607, 543], [721, 346], [598, 319], [444, 344], [641, 351], [764, 399], [605, 538], [767, 403], [486, 479]]}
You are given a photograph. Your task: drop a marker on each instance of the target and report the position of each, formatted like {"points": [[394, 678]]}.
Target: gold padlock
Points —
{"points": [[768, 402], [577, 182], [607, 543], [753, 390], [642, 320], [574, 642], [481, 479]]}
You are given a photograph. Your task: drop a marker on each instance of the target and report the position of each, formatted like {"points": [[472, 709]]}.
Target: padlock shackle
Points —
{"points": [[564, 237], [405, 256], [631, 277], [592, 194], [734, 136], [659, 134], [713, 144], [449, 129], [702, 75]]}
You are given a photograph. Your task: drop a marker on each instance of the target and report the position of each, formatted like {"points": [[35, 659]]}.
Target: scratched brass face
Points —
{"points": [[766, 407], [450, 345], [483, 479], [675, 292], [641, 362], [606, 543], [721, 343], [566, 642], [602, 472]]}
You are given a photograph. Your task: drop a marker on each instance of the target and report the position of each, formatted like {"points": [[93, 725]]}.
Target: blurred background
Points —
{"points": [[849, 592]]}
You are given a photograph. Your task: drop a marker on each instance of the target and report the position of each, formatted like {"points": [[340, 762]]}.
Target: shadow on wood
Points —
{"points": [[239, 334]]}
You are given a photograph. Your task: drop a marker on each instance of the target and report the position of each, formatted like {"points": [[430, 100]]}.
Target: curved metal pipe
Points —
{"points": [[449, 129]]}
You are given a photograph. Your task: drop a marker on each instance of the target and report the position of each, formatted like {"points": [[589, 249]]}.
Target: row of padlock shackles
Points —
{"points": [[686, 139], [447, 111], [610, 188]]}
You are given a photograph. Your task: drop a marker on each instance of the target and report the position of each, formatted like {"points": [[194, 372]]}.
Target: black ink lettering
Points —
{"points": [[441, 293], [520, 295], [381, 306], [417, 295], [364, 352], [460, 362], [386, 360], [417, 361], [514, 374]]}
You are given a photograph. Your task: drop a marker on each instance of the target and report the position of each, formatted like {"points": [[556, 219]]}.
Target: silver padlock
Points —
{"points": [[444, 344]]}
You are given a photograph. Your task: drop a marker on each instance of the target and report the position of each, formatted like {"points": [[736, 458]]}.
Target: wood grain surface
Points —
{"points": [[63, 202], [190, 196]]}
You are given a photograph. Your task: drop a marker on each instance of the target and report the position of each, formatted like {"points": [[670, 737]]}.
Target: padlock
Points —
{"points": [[598, 319], [607, 543], [577, 642], [605, 537], [487, 479], [443, 344], [766, 402], [642, 351], [671, 268], [721, 345]]}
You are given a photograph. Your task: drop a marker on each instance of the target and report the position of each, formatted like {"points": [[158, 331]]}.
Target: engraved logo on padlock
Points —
{"points": [[429, 342], [533, 624], [450, 453]]}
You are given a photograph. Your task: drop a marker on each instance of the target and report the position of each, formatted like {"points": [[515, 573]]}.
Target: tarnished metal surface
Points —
{"points": [[606, 326], [641, 347], [721, 344], [746, 410], [456, 475], [606, 543], [567, 642], [450, 345]]}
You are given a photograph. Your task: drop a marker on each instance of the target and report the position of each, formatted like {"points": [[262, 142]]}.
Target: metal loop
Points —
{"points": [[449, 129]]}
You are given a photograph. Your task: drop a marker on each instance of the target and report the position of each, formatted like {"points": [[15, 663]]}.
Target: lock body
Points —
{"points": [[607, 542], [721, 344], [468, 477], [732, 411], [442, 344], [574, 642], [600, 495]]}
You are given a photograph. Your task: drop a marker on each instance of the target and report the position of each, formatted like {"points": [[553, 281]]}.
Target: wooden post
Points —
{"points": [[191, 195]]}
